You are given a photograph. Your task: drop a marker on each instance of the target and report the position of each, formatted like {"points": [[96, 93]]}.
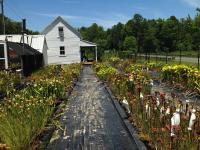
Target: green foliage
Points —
{"points": [[151, 113], [109, 56], [130, 44], [25, 114], [14, 27], [150, 35], [23, 121], [182, 74], [8, 82], [104, 71], [93, 33]]}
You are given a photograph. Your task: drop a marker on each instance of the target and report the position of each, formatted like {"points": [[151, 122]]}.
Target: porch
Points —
{"points": [[88, 51]]}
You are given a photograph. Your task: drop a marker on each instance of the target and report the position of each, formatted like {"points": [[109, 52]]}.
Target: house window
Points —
{"points": [[60, 32], [62, 50]]}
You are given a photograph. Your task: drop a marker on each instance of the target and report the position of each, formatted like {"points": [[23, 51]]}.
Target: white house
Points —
{"points": [[59, 43], [64, 43]]}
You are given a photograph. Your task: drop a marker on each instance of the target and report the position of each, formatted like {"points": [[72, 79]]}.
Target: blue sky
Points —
{"points": [[39, 13]]}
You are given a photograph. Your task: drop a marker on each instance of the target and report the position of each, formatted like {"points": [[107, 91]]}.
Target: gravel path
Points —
{"points": [[90, 121]]}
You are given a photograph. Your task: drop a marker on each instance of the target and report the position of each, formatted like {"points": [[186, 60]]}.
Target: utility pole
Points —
{"points": [[180, 29], [23, 32], [198, 57], [3, 18], [166, 59], [180, 47]]}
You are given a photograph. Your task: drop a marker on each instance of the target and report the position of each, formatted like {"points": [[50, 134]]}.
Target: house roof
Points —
{"points": [[55, 22], [35, 41], [18, 47]]}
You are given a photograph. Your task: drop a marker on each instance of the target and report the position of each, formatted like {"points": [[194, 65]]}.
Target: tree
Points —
{"points": [[14, 27], [152, 35], [93, 33], [102, 46], [130, 44], [169, 34], [116, 37], [136, 28]]}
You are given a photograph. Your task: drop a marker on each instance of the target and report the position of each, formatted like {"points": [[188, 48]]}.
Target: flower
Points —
{"points": [[163, 129], [154, 130], [168, 127]]}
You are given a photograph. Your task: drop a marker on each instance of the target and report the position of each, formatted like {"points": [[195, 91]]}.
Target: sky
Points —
{"points": [[78, 13]]}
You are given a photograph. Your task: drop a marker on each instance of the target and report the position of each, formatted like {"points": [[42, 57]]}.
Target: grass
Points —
{"points": [[185, 53], [18, 130]]}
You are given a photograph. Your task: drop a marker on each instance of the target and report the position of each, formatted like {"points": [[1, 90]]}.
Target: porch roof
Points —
{"points": [[84, 43]]}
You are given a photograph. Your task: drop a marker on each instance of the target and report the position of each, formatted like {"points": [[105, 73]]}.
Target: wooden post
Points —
{"points": [[6, 55], [96, 53]]}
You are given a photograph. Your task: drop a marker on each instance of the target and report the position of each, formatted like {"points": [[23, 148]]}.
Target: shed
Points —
{"points": [[20, 55], [38, 42]]}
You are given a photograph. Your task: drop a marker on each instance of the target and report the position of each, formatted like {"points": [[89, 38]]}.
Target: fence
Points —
{"points": [[160, 58]]}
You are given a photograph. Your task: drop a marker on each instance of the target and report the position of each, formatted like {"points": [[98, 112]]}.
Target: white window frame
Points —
{"points": [[5, 55], [63, 50]]}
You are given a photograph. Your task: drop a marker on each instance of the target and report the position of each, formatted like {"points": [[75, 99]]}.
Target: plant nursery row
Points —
{"points": [[163, 122], [26, 113]]}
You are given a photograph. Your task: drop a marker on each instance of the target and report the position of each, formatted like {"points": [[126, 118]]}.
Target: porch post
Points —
{"points": [[96, 52], [6, 55]]}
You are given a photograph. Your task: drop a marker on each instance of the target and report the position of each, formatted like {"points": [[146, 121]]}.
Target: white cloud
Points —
{"points": [[192, 3], [106, 21], [56, 15]]}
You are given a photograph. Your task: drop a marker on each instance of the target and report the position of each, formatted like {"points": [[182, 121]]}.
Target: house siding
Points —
{"points": [[45, 55], [71, 43]]}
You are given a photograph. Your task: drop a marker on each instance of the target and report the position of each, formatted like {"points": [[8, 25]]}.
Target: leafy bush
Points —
{"points": [[104, 72], [8, 81], [185, 75]]}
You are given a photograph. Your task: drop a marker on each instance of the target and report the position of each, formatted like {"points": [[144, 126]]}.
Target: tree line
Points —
{"points": [[138, 35], [141, 35], [13, 27]]}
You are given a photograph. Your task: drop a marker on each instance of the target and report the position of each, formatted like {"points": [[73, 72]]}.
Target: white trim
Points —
{"points": [[96, 53], [63, 50], [5, 54]]}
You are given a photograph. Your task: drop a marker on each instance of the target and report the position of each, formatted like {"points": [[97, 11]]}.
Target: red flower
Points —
{"points": [[154, 130], [168, 127], [177, 128], [129, 94], [163, 129], [162, 96], [184, 118]]}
